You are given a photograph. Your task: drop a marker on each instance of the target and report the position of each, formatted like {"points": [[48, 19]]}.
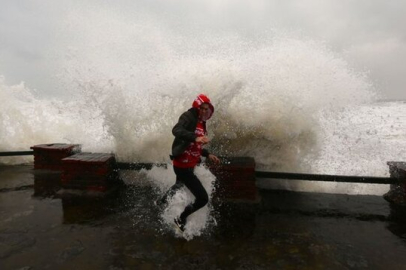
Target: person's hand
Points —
{"points": [[214, 159], [202, 140]]}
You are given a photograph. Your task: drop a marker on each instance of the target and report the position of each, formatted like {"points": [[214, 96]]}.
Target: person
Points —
{"points": [[187, 148]]}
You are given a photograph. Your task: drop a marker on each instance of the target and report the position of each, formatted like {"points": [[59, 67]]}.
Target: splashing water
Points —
{"points": [[266, 100], [163, 179]]}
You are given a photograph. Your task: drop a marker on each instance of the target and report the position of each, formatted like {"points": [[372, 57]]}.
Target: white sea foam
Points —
{"points": [[196, 223], [26, 120], [267, 99], [355, 140]]}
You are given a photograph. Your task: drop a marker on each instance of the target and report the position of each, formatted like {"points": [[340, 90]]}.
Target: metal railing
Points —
{"points": [[326, 177], [258, 174], [16, 153]]}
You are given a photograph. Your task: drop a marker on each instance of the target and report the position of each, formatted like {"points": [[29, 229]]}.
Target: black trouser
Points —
{"points": [[186, 176]]}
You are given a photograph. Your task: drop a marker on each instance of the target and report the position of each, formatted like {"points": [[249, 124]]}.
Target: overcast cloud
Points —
{"points": [[369, 34]]}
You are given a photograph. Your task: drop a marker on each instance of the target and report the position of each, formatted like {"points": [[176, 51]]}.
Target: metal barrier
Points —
{"points": [[327, 177], [238, 174], [16, 153]]}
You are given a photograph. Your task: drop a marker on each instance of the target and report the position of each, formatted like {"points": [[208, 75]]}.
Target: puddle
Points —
{"points": [[125, 231]]}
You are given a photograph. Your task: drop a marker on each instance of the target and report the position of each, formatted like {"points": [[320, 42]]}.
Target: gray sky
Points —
{"points": [[369, 34]]}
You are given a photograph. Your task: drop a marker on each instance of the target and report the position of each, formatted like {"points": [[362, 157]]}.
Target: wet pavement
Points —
{"points": [[285, 230]]}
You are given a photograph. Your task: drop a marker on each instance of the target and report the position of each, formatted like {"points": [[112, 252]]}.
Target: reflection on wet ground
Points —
{"points": [[123, 231]]}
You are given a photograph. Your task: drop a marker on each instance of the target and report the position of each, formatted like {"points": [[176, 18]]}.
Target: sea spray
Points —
{"points": [[266, 102], [125, 79], [266, 94], [360, 140], [26, 120], [163, 179]]}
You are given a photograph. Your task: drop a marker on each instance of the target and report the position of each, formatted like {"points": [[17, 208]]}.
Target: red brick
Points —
{"points": [[89, 171], [236, 179], [49, 156]]}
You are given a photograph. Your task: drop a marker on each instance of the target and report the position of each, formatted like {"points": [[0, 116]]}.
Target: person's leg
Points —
{"points": [[171, 191], [190, 180]]}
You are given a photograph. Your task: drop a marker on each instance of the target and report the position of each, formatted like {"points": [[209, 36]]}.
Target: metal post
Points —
{"points": [[397, 193]]}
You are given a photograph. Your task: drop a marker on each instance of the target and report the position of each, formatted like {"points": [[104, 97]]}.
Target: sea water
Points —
{"points": [[355, 140]]}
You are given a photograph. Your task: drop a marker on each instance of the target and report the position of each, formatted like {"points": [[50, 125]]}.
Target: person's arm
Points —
{"points": [[211, 157], [180, 131], [214, 159]]}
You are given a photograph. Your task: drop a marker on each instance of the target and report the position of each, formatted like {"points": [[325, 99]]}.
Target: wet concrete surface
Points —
{"points": [[123, 231]]}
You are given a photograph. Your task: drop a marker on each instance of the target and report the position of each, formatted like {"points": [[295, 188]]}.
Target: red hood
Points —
{"points": [[203, 99]]}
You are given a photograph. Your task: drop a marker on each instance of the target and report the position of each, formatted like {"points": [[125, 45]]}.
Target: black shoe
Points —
{"points": [[181, 225]]}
